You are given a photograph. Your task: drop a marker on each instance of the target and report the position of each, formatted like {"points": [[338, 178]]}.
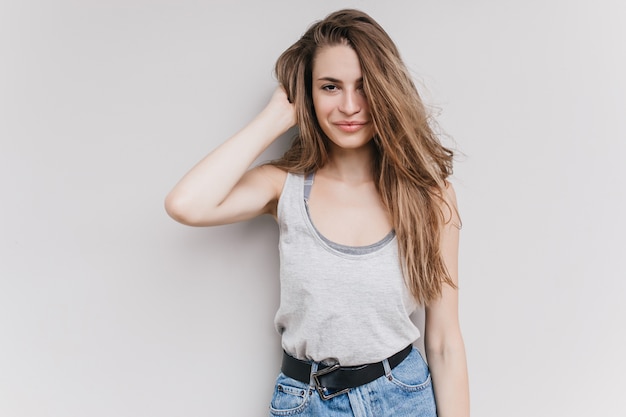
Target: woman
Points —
{"points": [[368, 227]]}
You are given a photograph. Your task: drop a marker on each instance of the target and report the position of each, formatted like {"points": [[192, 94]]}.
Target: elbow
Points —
{"points": [[447, 341], [174, 208], [448, 347], [178, 208], [445, 351]]}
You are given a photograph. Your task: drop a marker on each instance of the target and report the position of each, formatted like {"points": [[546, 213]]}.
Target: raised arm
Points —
{"points": [[444, 345], [220, 188]]}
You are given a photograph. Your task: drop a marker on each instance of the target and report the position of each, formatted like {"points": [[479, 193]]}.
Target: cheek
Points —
{"points": [[365, 105], [322, 105], [317, 104]]}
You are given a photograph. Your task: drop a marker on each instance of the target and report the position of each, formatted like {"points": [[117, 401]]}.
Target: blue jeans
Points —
{"points": [[405, 391]]}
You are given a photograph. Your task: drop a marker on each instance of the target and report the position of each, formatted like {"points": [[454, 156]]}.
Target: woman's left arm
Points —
{"points": [[445, 350]]}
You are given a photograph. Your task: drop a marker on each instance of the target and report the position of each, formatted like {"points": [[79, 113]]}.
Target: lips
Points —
{"points": [[349, 126]]}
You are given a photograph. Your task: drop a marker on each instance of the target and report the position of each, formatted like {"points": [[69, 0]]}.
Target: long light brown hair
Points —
{"points": [[411, 165]]}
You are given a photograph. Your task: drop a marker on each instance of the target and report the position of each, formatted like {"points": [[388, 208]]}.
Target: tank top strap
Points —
{"points": [[308, 183]]}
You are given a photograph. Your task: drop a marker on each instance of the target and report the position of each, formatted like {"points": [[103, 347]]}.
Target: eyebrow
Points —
{"points": [[335, 80]]}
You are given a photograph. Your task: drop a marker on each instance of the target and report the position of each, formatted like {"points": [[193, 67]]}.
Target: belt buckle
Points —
{"points": [[320, 389]]}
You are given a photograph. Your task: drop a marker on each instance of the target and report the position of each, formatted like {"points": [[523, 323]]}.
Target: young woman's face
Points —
{"points": [[338, 98]]}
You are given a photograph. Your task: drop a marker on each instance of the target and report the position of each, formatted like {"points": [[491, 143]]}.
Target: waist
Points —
{"points": [[333, 380]]}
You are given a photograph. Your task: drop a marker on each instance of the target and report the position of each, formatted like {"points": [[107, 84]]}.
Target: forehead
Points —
{"points": [[339, 61]]}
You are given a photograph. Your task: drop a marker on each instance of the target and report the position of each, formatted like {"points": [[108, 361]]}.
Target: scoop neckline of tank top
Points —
{"points": [[338, 248]]}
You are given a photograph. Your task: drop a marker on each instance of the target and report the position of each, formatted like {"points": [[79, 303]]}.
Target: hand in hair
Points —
{"points": [[282, 108]]}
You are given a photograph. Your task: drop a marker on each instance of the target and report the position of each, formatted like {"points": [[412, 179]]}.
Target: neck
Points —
{"points": [[351, 165]]}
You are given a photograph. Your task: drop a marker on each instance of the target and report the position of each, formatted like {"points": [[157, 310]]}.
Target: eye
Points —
{"points": [[330, 87]]}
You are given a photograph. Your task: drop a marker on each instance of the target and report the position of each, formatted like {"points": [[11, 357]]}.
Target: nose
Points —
{"points": [[351, 102]]}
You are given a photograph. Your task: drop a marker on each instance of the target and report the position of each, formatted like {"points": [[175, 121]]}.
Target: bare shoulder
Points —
{"points": [[450, 193], [449, 206]]}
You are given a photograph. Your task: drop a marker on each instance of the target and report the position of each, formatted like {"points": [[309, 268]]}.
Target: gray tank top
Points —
{"points": [[338, 303]]}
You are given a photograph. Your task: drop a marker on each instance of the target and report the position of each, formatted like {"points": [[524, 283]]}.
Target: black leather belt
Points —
{"points": [[334, 380]]}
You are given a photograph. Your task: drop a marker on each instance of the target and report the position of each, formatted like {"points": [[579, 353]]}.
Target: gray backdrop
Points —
{"points": [[109, 308]]}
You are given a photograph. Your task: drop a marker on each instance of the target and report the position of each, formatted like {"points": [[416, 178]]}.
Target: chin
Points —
{"points": [[351, 143]]}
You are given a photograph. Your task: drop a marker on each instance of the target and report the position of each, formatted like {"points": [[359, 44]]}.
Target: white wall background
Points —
{"points": [[109, 308]]}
